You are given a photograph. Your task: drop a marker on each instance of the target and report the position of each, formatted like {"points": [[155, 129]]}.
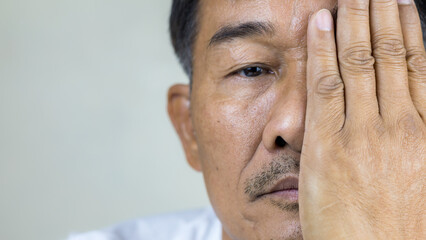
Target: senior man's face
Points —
{"points": [[243, 123]]}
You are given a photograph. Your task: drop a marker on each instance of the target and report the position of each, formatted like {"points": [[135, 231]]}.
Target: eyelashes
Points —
{"points": [[253, 71]]}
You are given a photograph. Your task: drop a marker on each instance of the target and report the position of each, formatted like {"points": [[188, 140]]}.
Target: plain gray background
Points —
{"points": [[85, 140]]}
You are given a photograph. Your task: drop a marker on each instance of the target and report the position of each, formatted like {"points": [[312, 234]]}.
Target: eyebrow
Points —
{"points": [[242, 30]]}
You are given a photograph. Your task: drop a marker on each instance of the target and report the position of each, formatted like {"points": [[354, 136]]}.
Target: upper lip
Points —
{"points": [[286, 183]]}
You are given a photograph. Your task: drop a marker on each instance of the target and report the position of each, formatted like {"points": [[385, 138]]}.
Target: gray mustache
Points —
{"points": [[277, 168]]}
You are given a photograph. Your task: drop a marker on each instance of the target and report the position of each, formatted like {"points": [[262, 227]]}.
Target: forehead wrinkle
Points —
{"points": [[243, 30]]}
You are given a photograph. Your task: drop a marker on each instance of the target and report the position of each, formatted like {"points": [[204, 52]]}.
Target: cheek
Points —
{"points": [[228, 131]]}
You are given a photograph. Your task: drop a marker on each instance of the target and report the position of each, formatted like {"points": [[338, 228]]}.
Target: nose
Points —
{"points": [[286, 124]]}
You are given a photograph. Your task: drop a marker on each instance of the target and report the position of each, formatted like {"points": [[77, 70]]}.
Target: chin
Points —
{"points": [[286, 227], [267, 222]]}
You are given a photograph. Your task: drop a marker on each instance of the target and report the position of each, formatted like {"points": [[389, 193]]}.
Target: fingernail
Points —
{"points": [[324, 20], [404, 2]]}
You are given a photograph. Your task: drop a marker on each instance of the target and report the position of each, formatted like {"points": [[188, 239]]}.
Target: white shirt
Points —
{"points": [[190, 225]]}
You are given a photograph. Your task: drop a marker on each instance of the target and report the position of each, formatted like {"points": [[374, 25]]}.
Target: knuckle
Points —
{"points": [[329, 83], [358, 7], [388, 45], [409, 125], [357, 58], [386, 3], [416, 62]]}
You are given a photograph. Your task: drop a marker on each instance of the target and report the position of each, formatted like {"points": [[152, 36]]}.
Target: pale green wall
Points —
{"points": [[85, 141]]}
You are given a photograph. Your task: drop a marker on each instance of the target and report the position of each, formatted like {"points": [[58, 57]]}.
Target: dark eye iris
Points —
{"points": [[252, 72]]}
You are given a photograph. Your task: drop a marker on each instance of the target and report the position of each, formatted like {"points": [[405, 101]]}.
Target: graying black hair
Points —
{"points": [[184, 22], [183, 31]]}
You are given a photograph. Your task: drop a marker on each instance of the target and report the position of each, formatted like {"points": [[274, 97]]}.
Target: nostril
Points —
{"points": [[279, 141]]}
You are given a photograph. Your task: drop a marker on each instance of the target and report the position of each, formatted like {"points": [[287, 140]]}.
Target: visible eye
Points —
{"points": [[253, 72]]}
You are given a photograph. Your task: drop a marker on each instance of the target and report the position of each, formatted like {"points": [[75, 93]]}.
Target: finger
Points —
{"points": [[325, 101], [416, 55], [356, 60], [389, 52]]}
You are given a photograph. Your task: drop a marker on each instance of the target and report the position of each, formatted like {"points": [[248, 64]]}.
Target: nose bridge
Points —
{"points": [[286, 124]]}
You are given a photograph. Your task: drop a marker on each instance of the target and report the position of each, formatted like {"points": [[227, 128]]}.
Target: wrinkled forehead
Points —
{"points": [[288, 17]]}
